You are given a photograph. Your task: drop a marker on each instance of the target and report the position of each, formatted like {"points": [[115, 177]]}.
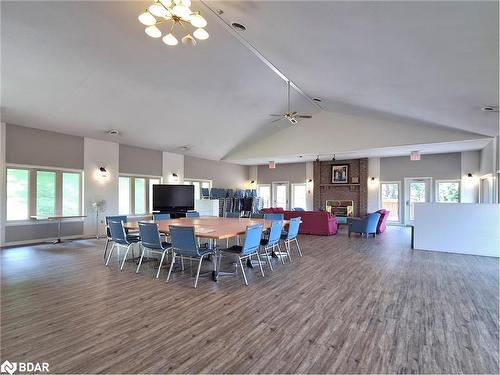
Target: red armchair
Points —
{"points": [[384, 214], [313, 222]]}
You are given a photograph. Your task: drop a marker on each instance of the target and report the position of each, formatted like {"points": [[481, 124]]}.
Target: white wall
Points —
{"points": [[172, 163], [459, 228], [3, 184], [96, 154], [310, 185], [373, 186], [469, 192]]}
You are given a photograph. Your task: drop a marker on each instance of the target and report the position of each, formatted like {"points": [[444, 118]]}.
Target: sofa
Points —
{"points": [[313, 222], [381, 225]]}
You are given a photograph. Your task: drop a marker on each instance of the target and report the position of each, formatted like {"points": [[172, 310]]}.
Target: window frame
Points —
{"points": [[32, 190], [399, 200], [189, 181], [131, 197], [436, 190]]}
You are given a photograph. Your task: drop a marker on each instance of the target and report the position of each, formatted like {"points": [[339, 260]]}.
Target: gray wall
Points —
{"points": [[486, 162], [223, 175], [439, 166], [40, 147], [136, 160], [294, 173]]}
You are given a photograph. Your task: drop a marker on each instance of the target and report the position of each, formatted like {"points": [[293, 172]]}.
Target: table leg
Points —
{"points": [[58, 232]]}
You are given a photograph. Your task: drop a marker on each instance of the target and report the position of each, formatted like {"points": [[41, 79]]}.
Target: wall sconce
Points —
{"points": [[469, 175], [175, 177], [309, 180], [252, 182], [372, 181], [103, 172]]}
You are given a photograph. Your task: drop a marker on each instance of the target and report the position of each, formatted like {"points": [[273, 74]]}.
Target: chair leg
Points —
{"points": [[268, 260], [281, 257], [125, 256], [140, 260], [182, 263], [198, 272], [243, 271], [287, 247], [171, 266], [161, 263], [298, 247], [110, 252], [260, 264], [106, 247]]}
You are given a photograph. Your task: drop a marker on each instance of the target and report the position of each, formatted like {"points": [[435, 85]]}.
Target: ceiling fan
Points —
{"points": [[289, 115]]}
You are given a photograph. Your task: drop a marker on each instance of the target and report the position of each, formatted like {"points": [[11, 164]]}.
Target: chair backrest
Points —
{"points": [[233, 214], [184, 241], [161, 216], [118, 218], [192, 214], [274, 216], [298, 209], [293, 228], [257, 215], [275, 233], [253, 236], [150, 236], [117, 232], [372, 221]]}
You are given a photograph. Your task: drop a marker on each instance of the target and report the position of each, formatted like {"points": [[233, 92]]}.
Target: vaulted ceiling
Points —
{"points": [[402, 72]]}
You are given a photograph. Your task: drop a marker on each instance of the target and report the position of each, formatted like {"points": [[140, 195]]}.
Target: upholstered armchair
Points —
{"points": [[366, 225]]}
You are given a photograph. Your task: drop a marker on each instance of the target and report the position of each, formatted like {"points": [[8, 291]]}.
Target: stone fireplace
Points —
{"points": [[355, 190]]}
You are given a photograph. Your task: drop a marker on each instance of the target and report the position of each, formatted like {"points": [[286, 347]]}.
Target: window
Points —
{"points": [[448, 191], [71, 194], [124, 195], [299, 196], [389, 200], [198, 185], [139, 196], [42, 192], [152, 181], [264, 192], [17, 194], [45, 193]]}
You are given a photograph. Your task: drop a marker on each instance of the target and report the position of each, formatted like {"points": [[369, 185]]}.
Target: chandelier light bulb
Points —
{"points": [[186, 3], [200, 34], [188, 39], [153, 31], [181, 11], [158, 10], [170, 40], [147, 19], [166, 3], [198, 21]]}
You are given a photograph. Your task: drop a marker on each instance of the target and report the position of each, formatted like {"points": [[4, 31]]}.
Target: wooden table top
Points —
{"points": [[217, 228]]}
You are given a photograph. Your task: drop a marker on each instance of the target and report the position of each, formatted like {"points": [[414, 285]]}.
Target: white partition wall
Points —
{"points": [[464, 228]]}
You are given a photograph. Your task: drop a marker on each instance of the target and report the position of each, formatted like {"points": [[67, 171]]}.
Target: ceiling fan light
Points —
{"points": [[146, 19], [201, 34], [166, 3], [181, 11], [153, 31], [158, 10], [188, 39], [198, 21], [186, 3], [170, 40]]}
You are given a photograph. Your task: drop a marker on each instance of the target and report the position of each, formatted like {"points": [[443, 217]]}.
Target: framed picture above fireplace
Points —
{"points": [[340, 174]]}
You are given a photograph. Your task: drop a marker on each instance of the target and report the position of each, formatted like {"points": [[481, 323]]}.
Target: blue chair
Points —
{"points": [[120, 218], [161, 216], [121, 238], [291, 236], [366, 225], [274, 216], [251, 246], [298, 209], [273, 241], [234, 215], [184, 243], [192, 214], [151, 240], [256, 215]]}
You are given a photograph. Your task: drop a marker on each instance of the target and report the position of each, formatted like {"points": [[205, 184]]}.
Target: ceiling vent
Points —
{"points": [[113, 132], [238, 26], [489, 108]]}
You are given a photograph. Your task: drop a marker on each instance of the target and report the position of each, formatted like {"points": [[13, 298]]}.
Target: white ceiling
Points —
{"points": [[86, 67]]}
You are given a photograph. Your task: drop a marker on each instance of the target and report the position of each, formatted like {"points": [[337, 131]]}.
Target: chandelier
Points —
{"points": [[179, 18]]}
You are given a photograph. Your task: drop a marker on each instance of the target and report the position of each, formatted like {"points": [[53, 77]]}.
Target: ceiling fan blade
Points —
{"points": [[278, 119], [276, 115], [294, 113], [303, 116]]}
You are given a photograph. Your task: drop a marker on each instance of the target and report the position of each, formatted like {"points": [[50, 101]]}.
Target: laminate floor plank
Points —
{"points": [[347, 306]]}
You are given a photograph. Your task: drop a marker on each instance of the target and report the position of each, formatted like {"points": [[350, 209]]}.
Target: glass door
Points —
{"points": [[418, 190], [280, 194]]}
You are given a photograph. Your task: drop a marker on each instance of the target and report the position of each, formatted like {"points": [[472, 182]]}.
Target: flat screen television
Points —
{"points": [[173, 198]]}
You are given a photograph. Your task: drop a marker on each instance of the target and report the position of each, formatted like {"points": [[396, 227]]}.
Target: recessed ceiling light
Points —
{"points": [[300, 156], [185, 148], [489, 108], [238, 26], [317, 100], [219, 12], [113, 132]]}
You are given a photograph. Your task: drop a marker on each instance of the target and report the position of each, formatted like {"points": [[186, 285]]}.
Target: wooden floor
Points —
{"points": [[348, 306]]}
